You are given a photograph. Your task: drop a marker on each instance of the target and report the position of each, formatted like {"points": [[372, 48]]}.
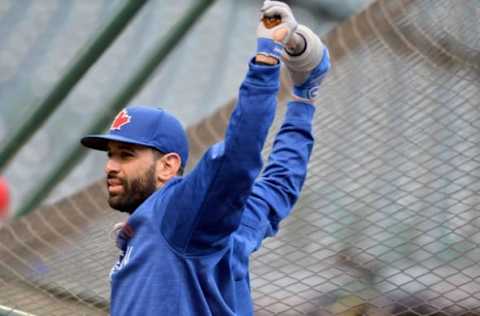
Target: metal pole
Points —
{"points": [[79, 66], [9, 311], [126, 93]]}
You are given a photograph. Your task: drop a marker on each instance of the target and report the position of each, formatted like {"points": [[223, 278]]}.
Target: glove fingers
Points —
{"points": [[269, 4], [277, 24], [287, 21], [283, 12]]}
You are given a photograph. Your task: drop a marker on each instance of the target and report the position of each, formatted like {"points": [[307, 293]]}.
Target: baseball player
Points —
{"points": [[180, 243], [275, 192]]}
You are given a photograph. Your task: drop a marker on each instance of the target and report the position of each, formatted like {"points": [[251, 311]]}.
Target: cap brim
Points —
{"points": [[100, 142]]}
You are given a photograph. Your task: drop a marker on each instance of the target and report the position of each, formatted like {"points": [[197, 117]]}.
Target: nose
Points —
{"points": [[112, 166]]}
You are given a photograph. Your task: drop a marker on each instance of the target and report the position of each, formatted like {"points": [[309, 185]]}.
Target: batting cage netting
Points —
{"points": [[389, 219]]}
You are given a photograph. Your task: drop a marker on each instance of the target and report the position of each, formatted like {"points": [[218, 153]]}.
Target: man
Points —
{"points": [[276, 191], [178, 241]]}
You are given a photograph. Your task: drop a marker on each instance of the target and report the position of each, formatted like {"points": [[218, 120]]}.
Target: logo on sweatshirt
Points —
{"points": [[124, 234], [122, 261]]}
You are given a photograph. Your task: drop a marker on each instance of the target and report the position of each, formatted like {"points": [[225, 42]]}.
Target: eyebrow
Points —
{"points": [[123, 147], [127, 147]]}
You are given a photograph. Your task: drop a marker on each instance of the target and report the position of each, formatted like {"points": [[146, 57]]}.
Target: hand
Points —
{"points": [[307, 61], [275, 29]]}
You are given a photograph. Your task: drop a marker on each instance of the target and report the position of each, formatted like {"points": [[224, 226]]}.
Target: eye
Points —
{"points": [[126, 154]]}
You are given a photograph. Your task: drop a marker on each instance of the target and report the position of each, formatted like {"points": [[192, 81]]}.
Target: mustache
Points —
{"points": [[113, 177]]}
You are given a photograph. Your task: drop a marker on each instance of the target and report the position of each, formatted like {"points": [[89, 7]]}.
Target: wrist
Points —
{"points": [[270, 48], [297, 98], [265, 60]]}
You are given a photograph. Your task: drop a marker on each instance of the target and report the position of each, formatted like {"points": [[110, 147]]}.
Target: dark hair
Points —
{"points": [[158, 155]]}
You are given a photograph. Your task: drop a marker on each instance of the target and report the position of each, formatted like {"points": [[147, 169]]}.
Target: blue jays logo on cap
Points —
{"points": [[145, 126], [121, 119]]}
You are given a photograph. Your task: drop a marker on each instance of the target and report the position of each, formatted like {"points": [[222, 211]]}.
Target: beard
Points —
{"points": [[135, 192]]}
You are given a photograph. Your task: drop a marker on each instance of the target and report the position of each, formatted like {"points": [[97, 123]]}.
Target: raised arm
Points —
{"points": [[207, 204], [276, 191]]}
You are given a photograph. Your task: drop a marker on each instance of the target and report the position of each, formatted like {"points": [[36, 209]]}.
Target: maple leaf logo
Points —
{"points": [[121, 119]]}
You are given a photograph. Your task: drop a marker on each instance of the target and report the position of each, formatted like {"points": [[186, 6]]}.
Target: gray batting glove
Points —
{"points": [[307, 61], [275, 29]]}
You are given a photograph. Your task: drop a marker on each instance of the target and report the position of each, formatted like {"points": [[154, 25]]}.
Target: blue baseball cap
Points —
{"points": [[145, 126]]}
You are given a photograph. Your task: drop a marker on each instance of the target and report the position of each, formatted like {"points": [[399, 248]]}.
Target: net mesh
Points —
{"points": [[388, 223]]}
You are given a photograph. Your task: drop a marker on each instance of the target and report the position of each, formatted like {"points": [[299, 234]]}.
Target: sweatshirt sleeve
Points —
{"points": [[206, 206], [276, 191]]}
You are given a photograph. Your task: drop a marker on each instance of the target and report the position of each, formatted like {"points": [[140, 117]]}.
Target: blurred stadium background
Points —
{"points": [[389, 221]]}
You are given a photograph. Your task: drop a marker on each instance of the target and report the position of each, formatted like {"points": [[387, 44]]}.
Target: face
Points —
{"points": [[131, 175]]}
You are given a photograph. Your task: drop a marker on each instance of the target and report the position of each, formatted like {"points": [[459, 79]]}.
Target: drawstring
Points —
{"points": [[116, 230]]}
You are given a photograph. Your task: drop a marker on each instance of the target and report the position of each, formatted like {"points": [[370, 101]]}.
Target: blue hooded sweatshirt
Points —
{"points": [[177, 246]]}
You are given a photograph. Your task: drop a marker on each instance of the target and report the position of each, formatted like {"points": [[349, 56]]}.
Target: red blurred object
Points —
{"points": [[4, 198]]}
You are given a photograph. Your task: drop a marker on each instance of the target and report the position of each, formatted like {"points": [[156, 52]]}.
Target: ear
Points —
{"points": [[167, 167]]}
